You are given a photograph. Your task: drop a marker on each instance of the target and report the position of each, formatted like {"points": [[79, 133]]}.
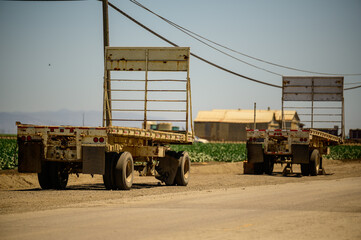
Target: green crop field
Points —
{"points": [[220, 152], [224, 152], [344, 152], [8, 153]]}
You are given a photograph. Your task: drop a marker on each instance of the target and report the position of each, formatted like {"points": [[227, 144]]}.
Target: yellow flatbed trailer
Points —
{"points": [[305, 147], [115, 151]]}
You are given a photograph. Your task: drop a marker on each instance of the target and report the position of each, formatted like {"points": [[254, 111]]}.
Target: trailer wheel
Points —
{"points": [[58, 175], [108, 177], [182, 175], [124, 171], [305, 169], [44, 176], [314, 162]]}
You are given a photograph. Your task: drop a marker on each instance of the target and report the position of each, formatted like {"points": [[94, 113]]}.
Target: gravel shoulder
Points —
{"points": [[21, 192]]}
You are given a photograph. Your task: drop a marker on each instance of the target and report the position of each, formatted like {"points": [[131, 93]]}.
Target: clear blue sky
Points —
{"points": [[51, 54]]}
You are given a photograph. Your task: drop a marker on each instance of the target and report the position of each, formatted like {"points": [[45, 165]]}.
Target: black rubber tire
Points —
{"points": [[183, 172], [44, 176], [315, 160], [108, 177], [124, 171], [58, 175], [305, 169], [268, 164]]}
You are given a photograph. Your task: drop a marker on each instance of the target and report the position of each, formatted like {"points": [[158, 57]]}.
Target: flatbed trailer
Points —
{"points": [[305, 147], [116, 152], [55, 151]]}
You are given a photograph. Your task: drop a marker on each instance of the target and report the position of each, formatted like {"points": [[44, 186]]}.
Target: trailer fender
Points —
{"points": [[300, 153], [93, 160], [30, 156], [255, 153]]}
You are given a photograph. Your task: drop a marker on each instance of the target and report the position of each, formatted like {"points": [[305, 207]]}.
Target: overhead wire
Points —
{"points": [[189, 32], [196, 56], [352, 83], [211, 63], [352, 88], [192, 54]]}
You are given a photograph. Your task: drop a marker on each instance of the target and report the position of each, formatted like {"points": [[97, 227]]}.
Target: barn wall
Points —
{"points": [[218, 131], [236, 132], [200, 130]]}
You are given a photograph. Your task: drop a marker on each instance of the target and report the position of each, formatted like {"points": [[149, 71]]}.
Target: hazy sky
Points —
{"points": [[51, 54]]}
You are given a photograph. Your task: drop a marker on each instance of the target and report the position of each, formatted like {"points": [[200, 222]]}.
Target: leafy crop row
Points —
{"points": [[220, 152], [223, 152], [8, 153], [341, 152]]}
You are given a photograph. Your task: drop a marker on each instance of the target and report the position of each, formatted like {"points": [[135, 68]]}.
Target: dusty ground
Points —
{"points": [[22, 193]]}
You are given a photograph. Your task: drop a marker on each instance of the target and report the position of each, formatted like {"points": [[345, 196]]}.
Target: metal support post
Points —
{"points": [[282, 113], [254, 118], [343, 119], [146, 89], [313, 94], [107, 114]]}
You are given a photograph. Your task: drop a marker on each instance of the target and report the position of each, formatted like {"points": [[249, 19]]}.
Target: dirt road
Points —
{"points": [[22, 193], [215, 189], [328, 209]]}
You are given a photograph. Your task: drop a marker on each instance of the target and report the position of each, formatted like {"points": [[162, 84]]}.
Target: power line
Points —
{"points": [[198, 57], [352, 83], [352, 88], [194, 55], [189, 33], [225, 47]]}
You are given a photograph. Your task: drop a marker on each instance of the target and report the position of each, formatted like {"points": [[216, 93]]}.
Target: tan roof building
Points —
{"points": [[230, 125]]}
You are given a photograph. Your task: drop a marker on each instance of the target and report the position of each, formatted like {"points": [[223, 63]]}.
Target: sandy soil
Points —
{"points": [[22, 193]]}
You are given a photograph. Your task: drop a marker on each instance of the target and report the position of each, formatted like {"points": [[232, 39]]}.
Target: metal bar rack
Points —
{"points": [[155, 90]]}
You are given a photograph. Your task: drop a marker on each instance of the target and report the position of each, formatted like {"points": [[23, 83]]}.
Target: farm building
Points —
{"points": [[230, 125]]}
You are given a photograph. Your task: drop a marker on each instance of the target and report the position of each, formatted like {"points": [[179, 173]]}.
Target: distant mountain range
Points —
{"points": [[61, 117]]}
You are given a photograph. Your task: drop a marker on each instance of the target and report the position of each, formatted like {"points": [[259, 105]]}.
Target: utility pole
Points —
{"points": [[107, 114]]}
